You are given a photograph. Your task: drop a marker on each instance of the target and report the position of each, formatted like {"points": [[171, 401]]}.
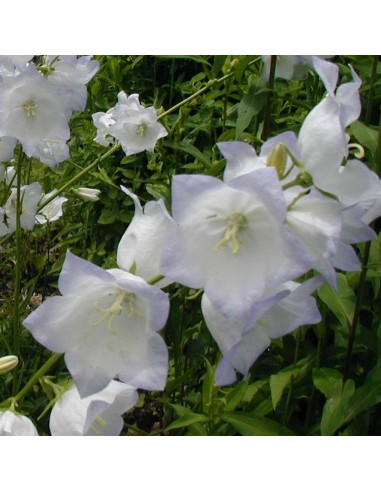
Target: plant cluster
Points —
{"points": [[194, 242]]}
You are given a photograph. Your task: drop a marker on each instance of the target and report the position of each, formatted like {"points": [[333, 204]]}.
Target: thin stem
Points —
{"points": [[75, 178], [296, 357], [18, 260], [369, 106], [266, 117], [196, 94]]}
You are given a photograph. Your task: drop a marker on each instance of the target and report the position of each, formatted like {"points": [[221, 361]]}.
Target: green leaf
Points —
{"points": [[235, 396], [328, 381], [209, 390], [341, 302], [189, 149], [365, 135], [188, 419], [335, 410], [366, 396], [250, 105], [278, 382], [248, 424]]}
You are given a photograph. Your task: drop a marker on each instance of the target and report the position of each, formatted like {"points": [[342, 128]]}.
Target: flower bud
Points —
{"points": [[8, 363], [278, 159], [90, 194]]}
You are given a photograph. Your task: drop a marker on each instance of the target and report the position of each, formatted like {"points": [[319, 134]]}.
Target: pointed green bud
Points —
{"points": [[8, 363], [278, 159]]}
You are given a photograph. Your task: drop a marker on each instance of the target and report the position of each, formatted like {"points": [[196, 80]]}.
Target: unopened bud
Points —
{"points": [[90, 194], [278, 159], [234, 63], [8, 363]]}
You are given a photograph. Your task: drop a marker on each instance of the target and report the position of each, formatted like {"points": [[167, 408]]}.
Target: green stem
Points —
{"points": [[18, 260], [266, 117], [84, 171], [36, 376], [287, 413]]}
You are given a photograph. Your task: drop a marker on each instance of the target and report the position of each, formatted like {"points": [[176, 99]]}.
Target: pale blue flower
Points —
{"points": [[106, 324]]}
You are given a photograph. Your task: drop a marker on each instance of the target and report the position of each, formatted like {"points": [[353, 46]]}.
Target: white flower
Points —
{"points": [[133, 125], [291, 67], [52, 152], [142, 244], [106, 323], [10, 176], [322, 142], [230, 239], [89, 194], [52, 211], [96, 415], [316, 221], [7, 147], [32, 110], [242, 341], [13, 424], [72, 73], [30, 196]]}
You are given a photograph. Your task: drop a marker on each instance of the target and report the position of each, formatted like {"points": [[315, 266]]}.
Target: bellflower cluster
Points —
{"points": [[130, 123], [258, 242], [36, 103]]}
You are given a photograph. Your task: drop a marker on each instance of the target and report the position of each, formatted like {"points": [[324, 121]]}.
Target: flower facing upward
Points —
{"points": [[32, 110], [230, 239], [133, 125], [106, 323]]}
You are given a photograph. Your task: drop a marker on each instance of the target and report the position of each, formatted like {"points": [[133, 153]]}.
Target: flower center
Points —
{"points": [[30, 108], [141, 130], [121, 300], [235, 222]]}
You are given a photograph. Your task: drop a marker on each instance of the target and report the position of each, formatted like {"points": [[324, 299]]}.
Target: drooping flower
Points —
{"points": [[243, 340], [96, 415], [30, 196], [142, 244], [14, 424], [52, 211], [32, 109], [230, 239], [72, 73], [130, 123], [52, 152], [106, 323]]}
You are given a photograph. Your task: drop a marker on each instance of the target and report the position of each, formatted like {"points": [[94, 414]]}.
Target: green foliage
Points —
{"points": [[297, 387]]}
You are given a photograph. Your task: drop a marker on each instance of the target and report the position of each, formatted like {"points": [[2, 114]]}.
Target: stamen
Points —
{"points": [[141, 130], [30, 108], [234, 224], [115, 309]]}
